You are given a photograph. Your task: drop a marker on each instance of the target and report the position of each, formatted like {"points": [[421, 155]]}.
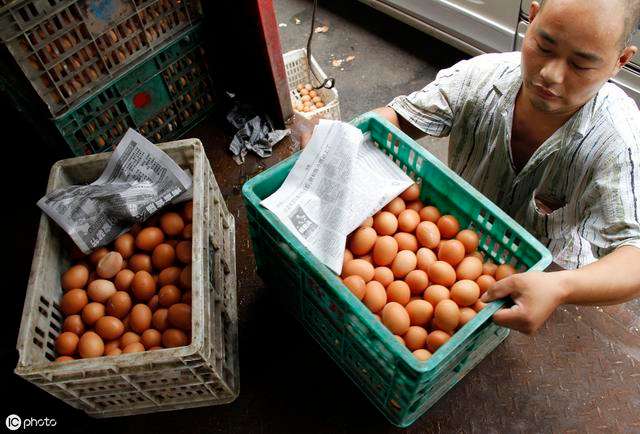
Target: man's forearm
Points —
{"points": [[390, 114], [611, 280]]}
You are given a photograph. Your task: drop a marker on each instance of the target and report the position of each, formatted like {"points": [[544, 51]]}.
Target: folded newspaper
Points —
{"points": [[340, 179], [139, 180]]}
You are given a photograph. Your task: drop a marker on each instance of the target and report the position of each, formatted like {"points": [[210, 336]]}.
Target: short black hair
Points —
{"points": [[631, 19]]}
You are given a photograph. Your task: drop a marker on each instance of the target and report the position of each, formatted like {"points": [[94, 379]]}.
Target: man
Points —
{"points": [[544, 136]]}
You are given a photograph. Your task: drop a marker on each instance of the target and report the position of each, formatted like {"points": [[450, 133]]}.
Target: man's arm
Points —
{"points": [[613, 279], [392, 116]]}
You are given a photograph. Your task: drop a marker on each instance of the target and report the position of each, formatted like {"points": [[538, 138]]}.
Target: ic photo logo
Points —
{"points": [[15, 422]]}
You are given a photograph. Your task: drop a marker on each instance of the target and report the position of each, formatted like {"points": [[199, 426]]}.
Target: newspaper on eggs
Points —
{"points": [[138, 180], [340, 179]]}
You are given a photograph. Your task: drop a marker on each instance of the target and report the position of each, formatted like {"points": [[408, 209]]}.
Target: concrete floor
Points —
{"points": [[391, 58]]}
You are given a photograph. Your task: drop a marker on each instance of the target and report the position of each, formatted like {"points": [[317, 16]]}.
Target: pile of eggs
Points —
{"points": [[418, 272], [310, 99], [133, 295]]}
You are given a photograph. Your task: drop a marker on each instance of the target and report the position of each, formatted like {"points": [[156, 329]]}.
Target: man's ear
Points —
{"points": [[625, 57], [533, 10]]}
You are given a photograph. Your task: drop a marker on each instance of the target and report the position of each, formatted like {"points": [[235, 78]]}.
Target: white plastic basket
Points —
{"points": [[205, 372], [298, 72]]}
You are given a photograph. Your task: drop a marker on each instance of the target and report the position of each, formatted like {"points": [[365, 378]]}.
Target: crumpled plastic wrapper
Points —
{"points": [[254, 134]]}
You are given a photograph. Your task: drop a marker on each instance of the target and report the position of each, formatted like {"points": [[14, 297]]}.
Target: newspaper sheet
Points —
{"points": [[139, 179], [340, 179]]}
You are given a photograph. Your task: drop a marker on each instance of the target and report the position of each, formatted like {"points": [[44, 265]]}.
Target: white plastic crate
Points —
{"points": [[298, 72], [203, 373]]}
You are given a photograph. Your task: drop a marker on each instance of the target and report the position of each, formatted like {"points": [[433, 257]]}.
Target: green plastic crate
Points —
{"points": [[399, 385], [162, 98]]}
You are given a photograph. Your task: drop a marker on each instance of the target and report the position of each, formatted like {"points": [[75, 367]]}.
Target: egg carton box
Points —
{"points": [[203, 373]]}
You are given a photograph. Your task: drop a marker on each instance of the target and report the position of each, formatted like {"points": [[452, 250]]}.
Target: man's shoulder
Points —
{"points": [[620, 114], [495, 62]]}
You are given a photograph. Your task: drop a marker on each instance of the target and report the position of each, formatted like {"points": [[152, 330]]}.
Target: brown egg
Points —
{"points": [[366, 258], [92, 312], [187, 232], [362, 241], [470, 268], [109, 265], [160, 319], [101, 290], [485, 282], [489, 268], [395, 207], [75, 277], [404, 262], [428, 234], [154, 303], [187, 212], [465, 292], [119, 304], [418, 281], [113, 352], [411, 193], [504, 270], [415, 338], [73, 301], [399, 292], [422, 354], [348, 256], [406, 241], [135, 347], [356, 285], [479, 305], [111, 345], [163, 256], [64, 359], [109, 327], [129, 338], [399, 339], [73, 324], [172, 338], [442, 273], [451, 251], [434, 294], [469, 239], [477, 254], [140, 262], [367, 223], [140, 318], [448, 226], [466, 315], [67, 343], [425, 257], [97, 254], [151, 338], [169, 295], [185, 277], [429, 214], [416, 205], [396, 318], [420, 312], [408, 220], [183, 252], [149, 238], [385, 223], [384, 275], [384, 250], [436, 339], [169, 276], [125, 245], [358, 267], [446, 315], [186, 298], [171, 224], [179, 316], [90, 345], [375, 296], [143, 286], [123, 280]]}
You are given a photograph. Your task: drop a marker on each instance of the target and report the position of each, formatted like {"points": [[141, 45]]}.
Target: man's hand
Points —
{"points": [[535, 294]]}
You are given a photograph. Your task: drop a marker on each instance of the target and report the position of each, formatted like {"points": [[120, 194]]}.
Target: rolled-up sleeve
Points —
{"points": [[611, 203], [433, 108]]}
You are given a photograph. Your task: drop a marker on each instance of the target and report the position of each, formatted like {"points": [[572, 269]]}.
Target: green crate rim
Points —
{"points": [[320, 271]]}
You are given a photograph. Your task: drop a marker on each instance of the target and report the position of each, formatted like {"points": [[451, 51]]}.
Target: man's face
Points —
{"points": [[570, 50]]}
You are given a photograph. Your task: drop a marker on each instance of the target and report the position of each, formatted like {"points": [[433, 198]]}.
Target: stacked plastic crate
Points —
{"points": [[104, 66]]}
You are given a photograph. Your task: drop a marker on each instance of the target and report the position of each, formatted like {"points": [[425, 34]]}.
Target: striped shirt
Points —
{"points": [[590, 166]]}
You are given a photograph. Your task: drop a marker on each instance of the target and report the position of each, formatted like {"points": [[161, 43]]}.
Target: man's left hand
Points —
{"points": [[535, 295]]}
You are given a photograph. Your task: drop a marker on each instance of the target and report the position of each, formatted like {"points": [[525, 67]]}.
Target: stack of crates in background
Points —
{"points": [[104, 66]]}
